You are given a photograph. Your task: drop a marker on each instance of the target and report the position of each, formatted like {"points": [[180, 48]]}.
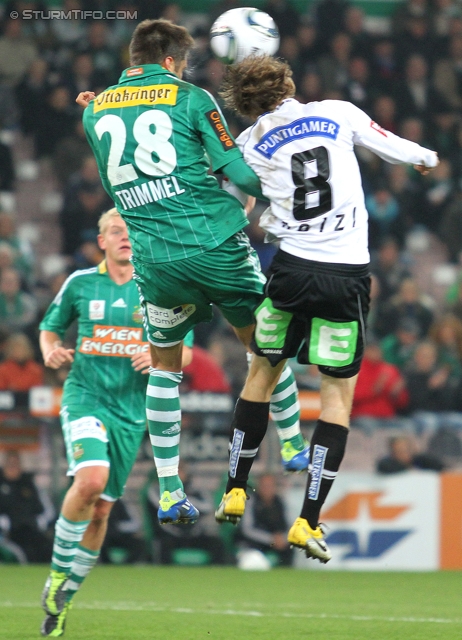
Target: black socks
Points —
{"points": [[326, 453], [247, 431]]}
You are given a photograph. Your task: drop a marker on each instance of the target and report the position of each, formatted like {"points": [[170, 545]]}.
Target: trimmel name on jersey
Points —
{"points": [[151, 191]]}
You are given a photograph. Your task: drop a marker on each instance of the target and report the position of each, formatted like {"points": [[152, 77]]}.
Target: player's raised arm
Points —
{"points": [[387, 145]]}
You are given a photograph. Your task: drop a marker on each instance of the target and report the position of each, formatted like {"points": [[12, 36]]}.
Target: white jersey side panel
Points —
{"points": [[304, 157]]}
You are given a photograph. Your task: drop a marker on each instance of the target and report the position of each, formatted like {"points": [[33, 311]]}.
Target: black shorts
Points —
{"points": [[316, 311]]}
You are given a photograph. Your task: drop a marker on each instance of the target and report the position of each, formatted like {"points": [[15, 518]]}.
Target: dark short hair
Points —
{"points": [[256, 85], [154, 40]]}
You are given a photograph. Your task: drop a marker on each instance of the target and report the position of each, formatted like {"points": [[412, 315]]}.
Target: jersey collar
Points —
{"points": [[142, 71], [102, 267]]}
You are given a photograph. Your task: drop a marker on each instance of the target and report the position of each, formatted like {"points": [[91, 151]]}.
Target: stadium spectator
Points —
{"points": [[284, 14], [54, 121], [17, 53], [358, 88], [7, 173], [70, 153], [333, 67], [23, 258], [19, 371], [431, 386], [416, 40], [18, 310], [264, 524], [355, 28], [204, 374], [407, 194], [83, 201], [308, 40], [381, 390], [437, 196], [389, 269], [31, 95], [402, 457], [385, 65], [398, 347], [385, 218], [384, 112], [415, 96], [408, 304], [106, 62], [83, 75], [450, 228], [330, 18], [446, 333], [25, 512], [448, 74], [309, 87]]}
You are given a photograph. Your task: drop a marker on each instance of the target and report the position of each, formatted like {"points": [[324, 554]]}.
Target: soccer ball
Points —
{"points": [[239, 33]]}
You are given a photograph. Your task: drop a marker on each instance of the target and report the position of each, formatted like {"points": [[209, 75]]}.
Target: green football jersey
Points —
{"points": [[110, 332], [155, 138]]}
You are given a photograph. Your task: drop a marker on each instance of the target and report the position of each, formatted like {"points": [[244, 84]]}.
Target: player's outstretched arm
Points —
{"points": [[387, 145], [53, 352]]}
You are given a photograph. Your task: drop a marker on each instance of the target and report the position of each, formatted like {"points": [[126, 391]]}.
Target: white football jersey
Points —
{"points": [[303, 155]]}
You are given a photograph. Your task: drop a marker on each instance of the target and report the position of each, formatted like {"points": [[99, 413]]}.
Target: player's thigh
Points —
{"points": [[85, 437], [330, 302], [124, 443], [231, 278], [171, 301]]}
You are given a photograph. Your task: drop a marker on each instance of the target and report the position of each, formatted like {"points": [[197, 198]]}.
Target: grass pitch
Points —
{"points": [[147, 602]]}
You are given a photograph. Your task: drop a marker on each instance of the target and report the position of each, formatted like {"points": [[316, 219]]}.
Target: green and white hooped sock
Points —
{"points": [[164, 421], [285, 409], [68, 534], [84, 561]]}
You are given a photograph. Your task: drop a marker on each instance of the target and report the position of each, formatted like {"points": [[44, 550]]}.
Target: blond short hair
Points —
{"points": [[106, 218]]}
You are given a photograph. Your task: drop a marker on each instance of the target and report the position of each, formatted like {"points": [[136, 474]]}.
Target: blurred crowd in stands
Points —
{"points": [[408, 78]]}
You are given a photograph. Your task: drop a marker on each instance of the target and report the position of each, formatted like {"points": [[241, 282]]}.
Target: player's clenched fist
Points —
{"points": [[84, 98], [58, 356]]}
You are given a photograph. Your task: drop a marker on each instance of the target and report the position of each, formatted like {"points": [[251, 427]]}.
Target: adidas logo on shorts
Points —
{"points": [[158, 334]]}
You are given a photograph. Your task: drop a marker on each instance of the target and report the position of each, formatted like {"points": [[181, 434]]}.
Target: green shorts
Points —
{"points": [[178, 295], [100, 440]]}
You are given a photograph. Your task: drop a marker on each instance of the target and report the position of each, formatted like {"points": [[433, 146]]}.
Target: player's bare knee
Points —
{"points": [[90, 487], [102, 512]]}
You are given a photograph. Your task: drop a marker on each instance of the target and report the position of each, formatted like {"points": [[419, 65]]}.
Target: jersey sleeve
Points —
{"points": [[213, 130], [88, 126], [385, 144], [189, 339], [62, 311]]}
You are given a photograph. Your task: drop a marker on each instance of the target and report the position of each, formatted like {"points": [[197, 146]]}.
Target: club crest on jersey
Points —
{"points": [[137, 315], [167, 318], [296, 130], [96, 309]]}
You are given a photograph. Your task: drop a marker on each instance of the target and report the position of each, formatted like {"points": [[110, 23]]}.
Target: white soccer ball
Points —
{"points": [[252, 560], [239, 33]]}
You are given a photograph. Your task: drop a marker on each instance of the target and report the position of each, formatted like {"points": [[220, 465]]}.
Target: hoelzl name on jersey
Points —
{"points": [[148, 192], [302, 128]]}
